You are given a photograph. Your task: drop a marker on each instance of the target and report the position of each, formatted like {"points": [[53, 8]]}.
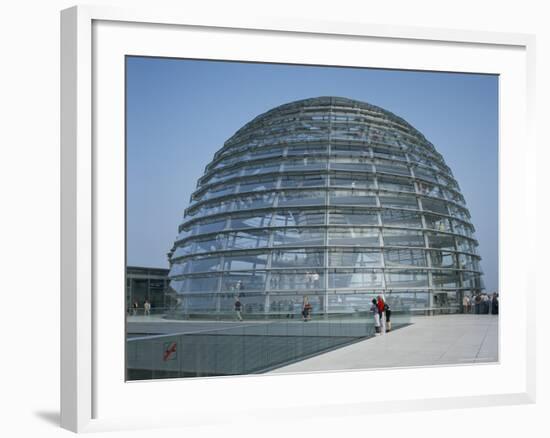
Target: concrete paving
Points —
{"points": [[430, 340]]}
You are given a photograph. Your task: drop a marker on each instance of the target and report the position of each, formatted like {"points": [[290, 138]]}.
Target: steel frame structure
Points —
{"points": [[330, 198]]}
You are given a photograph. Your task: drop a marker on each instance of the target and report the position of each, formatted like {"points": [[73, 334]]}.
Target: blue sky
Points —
{"points": [[179, 112]]}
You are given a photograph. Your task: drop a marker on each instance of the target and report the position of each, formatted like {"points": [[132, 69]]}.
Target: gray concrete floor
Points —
{"points": [[430, 340]]}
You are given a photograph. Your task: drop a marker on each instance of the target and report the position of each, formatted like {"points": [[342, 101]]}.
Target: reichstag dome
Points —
{"points": [[330, 198]]}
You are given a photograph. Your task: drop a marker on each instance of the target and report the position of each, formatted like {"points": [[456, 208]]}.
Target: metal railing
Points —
{"points": [[140, 311]]}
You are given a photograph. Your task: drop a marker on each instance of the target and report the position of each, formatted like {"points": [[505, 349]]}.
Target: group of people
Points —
{"points": [[481, 304], [306, 309], [312, 280], [382, 315], [146, 308], [237, 286]]}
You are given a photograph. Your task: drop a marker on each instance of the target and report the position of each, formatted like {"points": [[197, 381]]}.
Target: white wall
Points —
{"points": [[29, 187]]}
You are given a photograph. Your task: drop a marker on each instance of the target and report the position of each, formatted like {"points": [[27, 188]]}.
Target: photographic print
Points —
{"points": [[293, 218]]}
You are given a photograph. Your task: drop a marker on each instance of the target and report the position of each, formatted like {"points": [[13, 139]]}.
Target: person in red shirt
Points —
{"points": [[380, 303], [381, 311]]}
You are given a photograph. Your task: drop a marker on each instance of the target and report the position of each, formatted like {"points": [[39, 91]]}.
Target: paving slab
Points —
{"points": [[429, 340]]}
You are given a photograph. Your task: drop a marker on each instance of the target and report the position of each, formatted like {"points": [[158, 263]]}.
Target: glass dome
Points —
{"points": [[330, 198]]}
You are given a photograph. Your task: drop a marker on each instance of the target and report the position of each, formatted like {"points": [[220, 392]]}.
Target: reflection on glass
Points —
{"points": [[297, 258], [293, 198], [439, 223], [395, 184], [354, 236], [352, 180], [446, 279], [247, 239], [351, 197], [201, 283], [250, 220], [298, 237], [399, 201], [399, 218], [443, 259], [354, 258], [405, 257], [354, 278], [441, 241], [403, 238], [299, 181], [293, 218], [237, 282], [296, 280], [353, 216], [409, 278], [245, 261]]}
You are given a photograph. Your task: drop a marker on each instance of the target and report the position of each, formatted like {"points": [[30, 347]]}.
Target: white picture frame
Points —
{"points": [[93, 396]]}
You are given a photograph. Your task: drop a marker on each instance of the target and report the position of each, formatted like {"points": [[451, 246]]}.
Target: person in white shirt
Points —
{"points": [[466, 304], [376, 316]]}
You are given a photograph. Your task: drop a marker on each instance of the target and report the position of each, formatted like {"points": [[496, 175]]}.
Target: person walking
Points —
{"points": [[135, 307], [238, 309], [376, 316], [306, 310], [147, 308]]}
